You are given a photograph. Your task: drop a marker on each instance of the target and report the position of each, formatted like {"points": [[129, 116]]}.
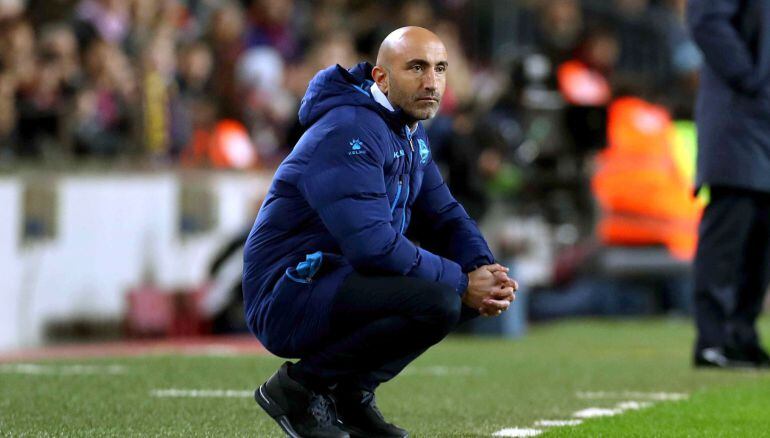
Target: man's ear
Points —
{"points": [[380, 76]]}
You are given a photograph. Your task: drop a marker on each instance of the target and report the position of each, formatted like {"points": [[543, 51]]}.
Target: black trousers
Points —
{"points": [[732, 267], [379, 326]]}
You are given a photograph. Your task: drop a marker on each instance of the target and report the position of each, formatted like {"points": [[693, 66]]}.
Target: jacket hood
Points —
{"points": [[334, 86]]}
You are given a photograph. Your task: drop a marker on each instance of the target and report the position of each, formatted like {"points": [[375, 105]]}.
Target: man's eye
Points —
{"points": [[416, 68], [441, 69]]}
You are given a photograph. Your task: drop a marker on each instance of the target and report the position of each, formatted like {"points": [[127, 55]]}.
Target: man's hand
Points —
{"points": [[502, 297], [490, 290]]}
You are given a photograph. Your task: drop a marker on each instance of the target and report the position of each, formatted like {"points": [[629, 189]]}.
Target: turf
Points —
{"points": [[463, 387], [740, 411]]}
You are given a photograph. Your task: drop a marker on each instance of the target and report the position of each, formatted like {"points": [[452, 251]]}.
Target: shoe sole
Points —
{"points": [[274, 411], [357, 433], [733, 365]]}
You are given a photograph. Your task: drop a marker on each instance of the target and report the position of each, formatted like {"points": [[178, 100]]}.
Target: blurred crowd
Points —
{"points": [[545, 99], [217, 83]]}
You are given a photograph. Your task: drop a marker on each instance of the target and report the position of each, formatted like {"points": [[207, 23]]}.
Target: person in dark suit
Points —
{"points": [[732, 263]]}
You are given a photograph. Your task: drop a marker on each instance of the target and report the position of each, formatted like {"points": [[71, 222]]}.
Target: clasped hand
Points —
{"points": [[490, 290]]}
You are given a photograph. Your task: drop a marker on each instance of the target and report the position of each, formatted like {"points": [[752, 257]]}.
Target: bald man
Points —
{"points": [[330, 274]]}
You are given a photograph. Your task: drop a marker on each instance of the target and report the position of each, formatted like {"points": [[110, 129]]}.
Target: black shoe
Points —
{"points": [[756, 355], [358, 414], [717, 357], [301, 413]]}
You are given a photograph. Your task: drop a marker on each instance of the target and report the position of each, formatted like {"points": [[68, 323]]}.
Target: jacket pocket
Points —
{"points": [[291, 296], [314, 266], [285, 314]]}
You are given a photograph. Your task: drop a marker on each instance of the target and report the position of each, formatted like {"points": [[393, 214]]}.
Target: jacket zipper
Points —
{"points": [[403, 210], [401, 180], [398, 193]]}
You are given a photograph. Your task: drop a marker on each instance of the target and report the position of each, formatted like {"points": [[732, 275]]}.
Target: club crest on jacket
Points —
{"points": [[424, 151]]}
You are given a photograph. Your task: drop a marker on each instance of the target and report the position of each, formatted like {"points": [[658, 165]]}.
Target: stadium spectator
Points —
{"points": [[108, 20], [193, 107], [559, 33], [103, 123], [266, 107], [17, 42], [226, 37], [59, 46], [338, 45], [270, 24], [7, 116]]}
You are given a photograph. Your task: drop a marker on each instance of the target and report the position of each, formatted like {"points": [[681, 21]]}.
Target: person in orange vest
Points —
{"points": [[646, 198]]}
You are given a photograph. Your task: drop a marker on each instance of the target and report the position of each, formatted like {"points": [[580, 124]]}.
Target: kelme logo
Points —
{"points": [[355, 147]]}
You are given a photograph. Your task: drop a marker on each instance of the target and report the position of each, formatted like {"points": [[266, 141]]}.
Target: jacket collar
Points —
{"points": [[382, 99], [360, 77]]}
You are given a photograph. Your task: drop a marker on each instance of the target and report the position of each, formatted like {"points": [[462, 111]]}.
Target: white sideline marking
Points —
{"points": [[201, 393], [648, 399], [515, 431], [658, 396], [621, 407], [633, 405], [441, 370], [557, 423], [596, 412], [60, 370]]}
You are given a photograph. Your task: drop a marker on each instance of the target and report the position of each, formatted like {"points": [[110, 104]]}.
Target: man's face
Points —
{"points": [[417, 79]]}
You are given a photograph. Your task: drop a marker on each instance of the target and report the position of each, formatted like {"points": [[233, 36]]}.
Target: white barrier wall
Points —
{"points": [[10, 264], [112, 232]]}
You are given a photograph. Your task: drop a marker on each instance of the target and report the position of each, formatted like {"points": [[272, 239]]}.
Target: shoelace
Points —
{"points": [[320, 409]]}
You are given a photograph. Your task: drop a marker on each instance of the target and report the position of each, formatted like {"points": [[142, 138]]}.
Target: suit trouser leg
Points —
{"points": [[379, 325], [754, 281], [723, 237]]}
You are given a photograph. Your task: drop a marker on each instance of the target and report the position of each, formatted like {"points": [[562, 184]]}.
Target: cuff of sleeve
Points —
{"points": [[463, 286], [480, 260]]}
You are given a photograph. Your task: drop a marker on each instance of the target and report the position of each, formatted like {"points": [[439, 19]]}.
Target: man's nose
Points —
{"points": [[430, 80]]}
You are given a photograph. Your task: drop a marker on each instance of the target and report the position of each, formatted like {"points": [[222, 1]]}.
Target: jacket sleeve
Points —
{"points": [[346, 187], [454, 234], [712, 27]]}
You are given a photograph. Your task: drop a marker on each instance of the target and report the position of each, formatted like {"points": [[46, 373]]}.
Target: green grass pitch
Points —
{"points": [[465, 386]]}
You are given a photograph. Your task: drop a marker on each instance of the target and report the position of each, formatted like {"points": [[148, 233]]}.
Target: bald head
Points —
{"points": [[404, 40], [411, 71]]}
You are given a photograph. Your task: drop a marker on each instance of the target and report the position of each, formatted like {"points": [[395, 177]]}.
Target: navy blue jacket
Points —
{"points": [[342, 201], [733, 108]]}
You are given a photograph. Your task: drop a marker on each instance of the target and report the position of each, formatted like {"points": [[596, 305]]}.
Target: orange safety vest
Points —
{"points": [[644, 196]]}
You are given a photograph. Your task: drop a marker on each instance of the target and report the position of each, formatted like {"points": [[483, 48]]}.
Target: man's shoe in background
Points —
{"points": [[717, 357], [756, 355]]}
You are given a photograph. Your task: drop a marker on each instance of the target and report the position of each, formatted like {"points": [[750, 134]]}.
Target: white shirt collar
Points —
{"points": [[382, 99]]}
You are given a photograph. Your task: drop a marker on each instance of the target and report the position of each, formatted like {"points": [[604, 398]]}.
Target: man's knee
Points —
{"points": [[442, 307]]}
